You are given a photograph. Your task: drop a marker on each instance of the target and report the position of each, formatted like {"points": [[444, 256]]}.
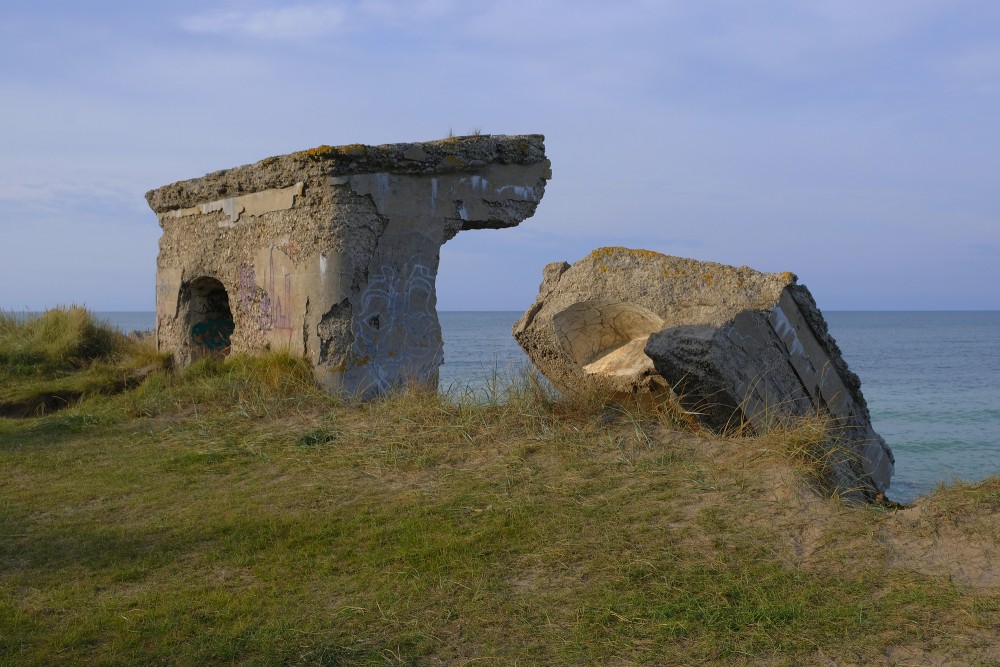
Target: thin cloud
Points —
{"points": [[295, 22], [977, 67], [805, 40], [64, 198], [394, 11]]}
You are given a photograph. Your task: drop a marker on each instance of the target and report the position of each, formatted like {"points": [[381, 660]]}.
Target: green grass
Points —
{"points": [[51, 360], [233, 513]]}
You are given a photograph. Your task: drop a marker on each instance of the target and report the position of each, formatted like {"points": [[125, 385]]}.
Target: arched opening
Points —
{"points": [[210, 319]]}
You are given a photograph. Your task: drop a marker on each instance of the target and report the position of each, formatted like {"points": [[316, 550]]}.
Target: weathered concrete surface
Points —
{"points": [[736, 345], [589, 325], [332, 253]]}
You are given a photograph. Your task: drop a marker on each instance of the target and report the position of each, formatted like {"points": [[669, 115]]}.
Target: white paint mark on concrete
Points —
{"points": [[786, 332], [381, 191], [521, 192], [434, 196], [478, 183]]}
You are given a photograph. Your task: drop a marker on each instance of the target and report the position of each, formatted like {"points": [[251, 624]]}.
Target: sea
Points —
{"points": [[931, 379]]}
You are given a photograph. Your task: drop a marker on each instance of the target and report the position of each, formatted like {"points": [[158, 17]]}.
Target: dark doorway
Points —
{"points": [[210, 319]]}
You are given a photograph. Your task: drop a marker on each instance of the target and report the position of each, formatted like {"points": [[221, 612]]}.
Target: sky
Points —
{"points": [[852, 142]]}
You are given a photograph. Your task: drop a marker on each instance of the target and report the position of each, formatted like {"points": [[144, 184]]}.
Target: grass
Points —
{"points": [[233, 513], [52, 360]]}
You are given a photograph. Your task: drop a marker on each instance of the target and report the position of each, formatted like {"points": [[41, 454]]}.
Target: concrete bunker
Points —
{"points": [[332, 253]]}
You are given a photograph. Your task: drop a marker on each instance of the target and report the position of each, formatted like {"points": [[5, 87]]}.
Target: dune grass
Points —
{"points": [[51, 360], [56, 339], [233, 513]]}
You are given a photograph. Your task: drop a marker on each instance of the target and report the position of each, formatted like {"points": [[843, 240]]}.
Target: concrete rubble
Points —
{"points": [[733, 345], [332, 253]]}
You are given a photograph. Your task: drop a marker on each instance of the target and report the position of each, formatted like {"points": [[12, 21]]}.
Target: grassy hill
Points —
{"points": [[233, 513]]}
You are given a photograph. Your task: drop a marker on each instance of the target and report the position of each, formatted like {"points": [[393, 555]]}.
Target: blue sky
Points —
{"points": [[855, 143]]}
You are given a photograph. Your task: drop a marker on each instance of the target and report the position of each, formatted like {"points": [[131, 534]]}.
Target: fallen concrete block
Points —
{"points": [[733, 345], [589, 325]]}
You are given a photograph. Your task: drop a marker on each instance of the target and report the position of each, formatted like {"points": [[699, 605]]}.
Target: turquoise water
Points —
{"points": [[932, 381]]}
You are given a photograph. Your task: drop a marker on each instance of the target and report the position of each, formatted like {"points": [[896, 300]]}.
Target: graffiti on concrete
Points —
{"points": [[397, 329], [213, 334], [254, 301], [279, 288]]}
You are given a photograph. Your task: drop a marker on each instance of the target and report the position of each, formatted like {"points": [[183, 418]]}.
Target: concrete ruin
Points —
{"points": [[332, 253], [734, 346]]}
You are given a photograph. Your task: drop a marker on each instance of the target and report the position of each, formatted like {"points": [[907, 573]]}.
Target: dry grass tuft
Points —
{"points": [[58, 339], [50, 361]]}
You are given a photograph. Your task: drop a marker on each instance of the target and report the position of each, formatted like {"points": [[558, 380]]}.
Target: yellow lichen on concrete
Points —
{"points": [[322, 151], [355, 149], [612, 252]]}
